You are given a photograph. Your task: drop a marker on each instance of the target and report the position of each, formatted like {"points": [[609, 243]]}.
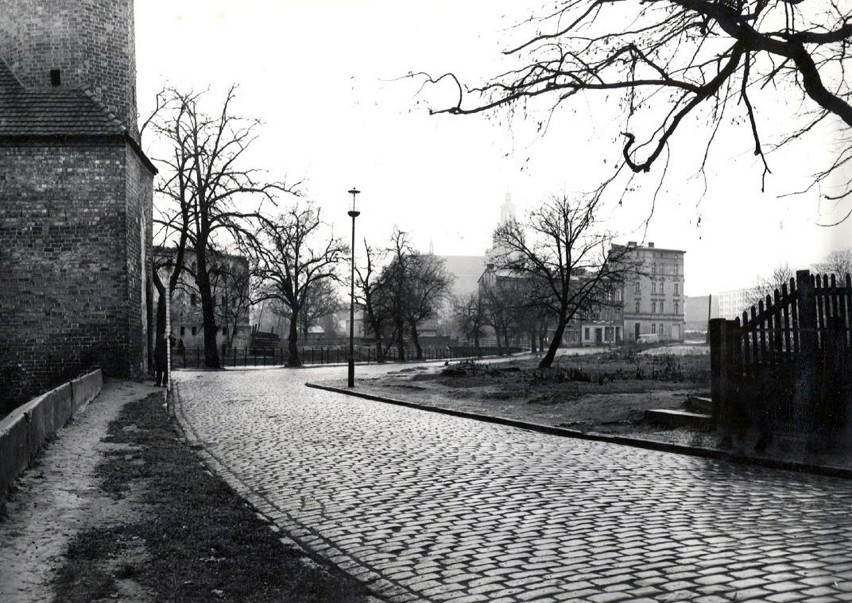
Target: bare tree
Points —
{"points": [[766, 285], [498, 298], [662, 62], [469, 313], [371, 297], [322, 299], [426, 287], [415, 284], [568, 258], [208, 199], [838, 263], [294, 257], [395, 274], [231, 279]]}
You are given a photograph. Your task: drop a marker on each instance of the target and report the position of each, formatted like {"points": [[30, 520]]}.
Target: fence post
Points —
{"points": [[721, 356], [806, 367]]}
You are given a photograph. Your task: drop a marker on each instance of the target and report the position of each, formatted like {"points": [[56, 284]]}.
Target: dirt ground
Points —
{"points": [[606, 392], [145, 521]]}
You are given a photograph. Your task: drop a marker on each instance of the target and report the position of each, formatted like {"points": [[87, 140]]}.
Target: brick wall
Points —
{"points": [[73, 246], [90, 41]]}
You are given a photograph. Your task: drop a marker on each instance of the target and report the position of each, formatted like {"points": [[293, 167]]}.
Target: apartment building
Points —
{"points": [[654, 302]]}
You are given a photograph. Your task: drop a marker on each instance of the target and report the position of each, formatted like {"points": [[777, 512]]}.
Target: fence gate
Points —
{"points": [[786, 363]]}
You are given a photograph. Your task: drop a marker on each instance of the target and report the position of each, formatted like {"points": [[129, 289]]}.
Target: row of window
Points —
{"points": [[193, 300], [659, 305], [675, 268], [657, 288]]}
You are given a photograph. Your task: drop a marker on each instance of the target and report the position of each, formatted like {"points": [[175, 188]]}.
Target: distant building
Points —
{"points": [[230, 283], [699, 309], [653, 297], [734, 301]]}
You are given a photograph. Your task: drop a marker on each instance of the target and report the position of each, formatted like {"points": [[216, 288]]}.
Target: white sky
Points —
{"points": [[322, 75]]}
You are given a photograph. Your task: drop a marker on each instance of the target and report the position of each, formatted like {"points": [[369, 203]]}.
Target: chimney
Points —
{"points": [[651, 245]]}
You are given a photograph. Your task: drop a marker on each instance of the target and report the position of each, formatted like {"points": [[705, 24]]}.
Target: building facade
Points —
{"points": [[654, 302], [230, 281], [75, 195]]}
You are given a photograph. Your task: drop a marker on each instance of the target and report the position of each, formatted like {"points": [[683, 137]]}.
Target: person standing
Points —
{"points": [[161, 361]]}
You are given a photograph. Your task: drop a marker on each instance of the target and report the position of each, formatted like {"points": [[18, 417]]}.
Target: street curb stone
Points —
{"points": [[709, 453]]}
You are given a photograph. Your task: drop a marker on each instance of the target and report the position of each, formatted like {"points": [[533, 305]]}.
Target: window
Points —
{"points": [[677, 288], [637, 307], [653, 287], [661, 330], [182, 331], [653, 328], [638, 288], [677, 308], [653, 307], [662, 303], [662, 287], [653, 269], [587, 334], [225, 331], [193, 330], [192, 301]]}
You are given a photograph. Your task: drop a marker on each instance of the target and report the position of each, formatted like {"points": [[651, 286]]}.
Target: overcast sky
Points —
{"points": [[323, 75]]}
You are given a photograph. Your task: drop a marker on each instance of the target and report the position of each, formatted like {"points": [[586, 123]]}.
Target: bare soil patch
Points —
{"points": [[184, 535], [607, 392]]}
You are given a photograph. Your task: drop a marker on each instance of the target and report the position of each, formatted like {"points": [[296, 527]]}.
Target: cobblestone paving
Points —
{"points": [[427, 507]]}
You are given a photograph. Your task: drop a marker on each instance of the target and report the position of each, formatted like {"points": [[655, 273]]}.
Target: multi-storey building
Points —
{"points": [[653, 294], [231, 295]]}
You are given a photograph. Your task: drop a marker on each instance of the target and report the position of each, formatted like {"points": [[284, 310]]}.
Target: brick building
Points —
{"points": [[75, 194]]}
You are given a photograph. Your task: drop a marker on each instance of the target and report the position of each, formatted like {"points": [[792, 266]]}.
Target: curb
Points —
{"points": [[708, 453]]}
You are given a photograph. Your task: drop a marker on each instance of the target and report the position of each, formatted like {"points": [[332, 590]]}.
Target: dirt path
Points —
{"points": [[120, 508], [58, 498]]}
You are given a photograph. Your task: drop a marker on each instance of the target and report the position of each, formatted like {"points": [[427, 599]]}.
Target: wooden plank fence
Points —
{"points": [[785, 364]]}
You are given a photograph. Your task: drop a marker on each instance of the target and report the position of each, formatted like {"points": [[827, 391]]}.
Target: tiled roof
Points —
{"points": [[50, 112]]}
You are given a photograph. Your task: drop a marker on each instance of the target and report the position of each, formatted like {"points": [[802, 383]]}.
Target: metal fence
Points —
{"points": [[234, 357]]}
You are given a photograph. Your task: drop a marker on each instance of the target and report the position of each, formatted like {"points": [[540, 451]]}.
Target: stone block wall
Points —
{"points": [[91, 42], [71, 261]]}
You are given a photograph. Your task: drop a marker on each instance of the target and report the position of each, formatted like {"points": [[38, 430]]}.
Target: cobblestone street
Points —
{"points": [[428, 507]]}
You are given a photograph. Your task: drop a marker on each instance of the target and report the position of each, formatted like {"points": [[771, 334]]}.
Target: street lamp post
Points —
{"points": [[351, 376]]}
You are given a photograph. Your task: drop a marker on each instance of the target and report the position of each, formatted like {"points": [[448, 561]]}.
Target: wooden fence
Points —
{"points": [[785, 364]]}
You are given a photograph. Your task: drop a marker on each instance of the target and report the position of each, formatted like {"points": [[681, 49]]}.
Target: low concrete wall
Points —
{"points": [[25, 429]]}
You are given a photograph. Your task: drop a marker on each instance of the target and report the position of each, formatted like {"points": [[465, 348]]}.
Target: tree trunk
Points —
{"points": [[416, 340], [532, 336], [497, 339], [208, 314], [506, 341], [400, 341], [380, 357], [476, 342], [547, 361], [292, 342]]}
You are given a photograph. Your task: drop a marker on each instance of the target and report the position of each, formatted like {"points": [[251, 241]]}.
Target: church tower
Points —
{"points": [[76, 195], [507, 210]]}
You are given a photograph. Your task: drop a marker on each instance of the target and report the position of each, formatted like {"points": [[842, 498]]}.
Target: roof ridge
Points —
{"points": [[10, 75], [104, 108]]}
